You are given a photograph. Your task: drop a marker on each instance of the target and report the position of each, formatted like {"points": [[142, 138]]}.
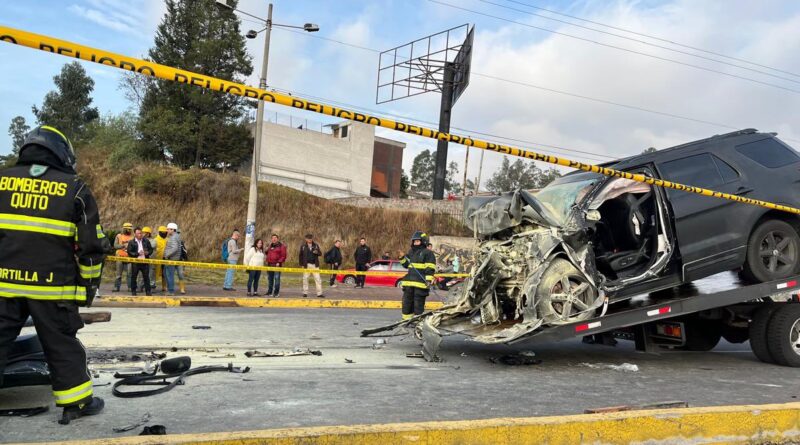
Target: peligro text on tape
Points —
{"points": [[70, 49], [200, 265]]}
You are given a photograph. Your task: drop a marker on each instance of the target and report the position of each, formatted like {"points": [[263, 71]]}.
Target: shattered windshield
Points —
{"points": [[561, 195]]}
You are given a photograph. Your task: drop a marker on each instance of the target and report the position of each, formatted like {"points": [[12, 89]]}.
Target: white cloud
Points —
{"points": [[108, 19]]}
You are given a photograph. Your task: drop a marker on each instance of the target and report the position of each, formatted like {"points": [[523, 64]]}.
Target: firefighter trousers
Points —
{"points": [[414, 300], [57, 325]]}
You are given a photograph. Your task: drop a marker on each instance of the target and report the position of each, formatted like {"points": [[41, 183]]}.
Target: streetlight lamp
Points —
{"points": [[250, 227]]}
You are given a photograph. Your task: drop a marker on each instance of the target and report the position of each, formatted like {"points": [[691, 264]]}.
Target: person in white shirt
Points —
{"points": [[254, 256]]}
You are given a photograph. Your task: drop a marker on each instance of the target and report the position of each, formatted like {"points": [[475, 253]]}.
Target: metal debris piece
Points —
{"points": [[201, 327], [347, 360], [625, 367], [223, 356], [523, 358], [431, 339], [95, 317], [145, 418], [658, 405], [155, 430], [293, 353], [414, 355]]}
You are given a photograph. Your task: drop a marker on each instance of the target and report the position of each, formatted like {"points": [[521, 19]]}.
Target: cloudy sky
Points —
{"points": [[630, 75]]}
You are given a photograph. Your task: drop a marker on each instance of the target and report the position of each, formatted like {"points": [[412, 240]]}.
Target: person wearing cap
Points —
{"points": [[172, 252], [147, 233], [53, 250], [121, 244], [160, 245]]}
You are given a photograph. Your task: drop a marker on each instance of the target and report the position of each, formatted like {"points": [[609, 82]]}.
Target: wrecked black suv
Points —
{"points": [[563, 253]]}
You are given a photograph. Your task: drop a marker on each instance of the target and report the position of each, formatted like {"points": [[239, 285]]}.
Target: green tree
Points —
{"points": [[423, 172], [520, 175], [649, 150], [68, 108], [404, 184], [186, 124], [17, 130]]}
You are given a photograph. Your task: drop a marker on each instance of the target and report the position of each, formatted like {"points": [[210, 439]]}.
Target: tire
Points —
{"points": [[783, 335], [350, 280], [551, 309], [773, 252], [735, 335], [758, 332], [701, 335]]}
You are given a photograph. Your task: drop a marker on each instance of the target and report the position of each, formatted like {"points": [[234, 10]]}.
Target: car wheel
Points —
{"points": [[701, 335], [758, 332], [783, 335], [350, 280], [772, 252], [564, 294]]}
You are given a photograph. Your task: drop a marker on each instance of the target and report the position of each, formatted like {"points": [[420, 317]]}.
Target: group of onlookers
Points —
{"points": [[274, 254], [139, 243]]}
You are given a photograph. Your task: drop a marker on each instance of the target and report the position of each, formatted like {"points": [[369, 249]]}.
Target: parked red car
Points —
{"points": [[392, 280]]}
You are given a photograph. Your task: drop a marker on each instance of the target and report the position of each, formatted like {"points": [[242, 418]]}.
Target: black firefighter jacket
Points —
{"points": [[51, 240], [421, 264]]}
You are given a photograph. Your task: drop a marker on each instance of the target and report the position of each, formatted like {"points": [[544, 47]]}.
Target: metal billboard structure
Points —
{"points": [[440, 63]]}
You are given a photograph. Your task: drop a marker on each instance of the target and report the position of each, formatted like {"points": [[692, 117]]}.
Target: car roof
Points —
{"points": [[729, 139]]}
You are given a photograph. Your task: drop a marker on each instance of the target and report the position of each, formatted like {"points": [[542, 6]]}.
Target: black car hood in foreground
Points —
{"points": [[487, 215]]}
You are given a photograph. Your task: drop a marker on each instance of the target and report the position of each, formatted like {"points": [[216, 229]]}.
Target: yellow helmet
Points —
{"points": [[127, 226], [162, 228], [147, 229]]}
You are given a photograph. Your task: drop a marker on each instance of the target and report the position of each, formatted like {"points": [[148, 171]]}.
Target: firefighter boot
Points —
{"points": [[76, 411], [182, 287]]}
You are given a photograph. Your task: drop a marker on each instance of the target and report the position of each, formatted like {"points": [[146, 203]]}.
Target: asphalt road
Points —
{"points": [[381, 385]]}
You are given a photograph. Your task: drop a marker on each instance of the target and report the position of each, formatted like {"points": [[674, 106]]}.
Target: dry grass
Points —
{"points": [[208, 205]]}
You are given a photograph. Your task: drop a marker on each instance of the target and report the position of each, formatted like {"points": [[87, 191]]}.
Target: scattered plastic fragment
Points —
{"points": [[155, 430], [293, 353], [201, 327], [625, 367], [145, 418]]}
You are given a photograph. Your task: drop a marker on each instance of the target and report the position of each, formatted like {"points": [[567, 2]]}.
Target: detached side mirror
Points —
{"points": [[593, 215]]}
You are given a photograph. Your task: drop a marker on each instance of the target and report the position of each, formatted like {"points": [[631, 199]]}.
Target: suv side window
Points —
{"points": [[728, 173], [768, 152], [698, 170]]}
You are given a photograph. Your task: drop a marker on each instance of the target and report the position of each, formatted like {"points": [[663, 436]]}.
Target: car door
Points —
{"points": [[706, 229], [380, 280]]}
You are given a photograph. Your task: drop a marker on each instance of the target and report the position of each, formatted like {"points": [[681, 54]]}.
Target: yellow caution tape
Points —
{"points": [[270, 268], [70, 49]]}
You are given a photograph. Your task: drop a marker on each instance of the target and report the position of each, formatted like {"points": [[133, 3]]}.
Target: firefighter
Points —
{"points": [[421, 265], [53, 250]]}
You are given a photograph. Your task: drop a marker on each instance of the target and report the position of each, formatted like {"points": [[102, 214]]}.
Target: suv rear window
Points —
{"points": [[698, 170], [769, 153]]}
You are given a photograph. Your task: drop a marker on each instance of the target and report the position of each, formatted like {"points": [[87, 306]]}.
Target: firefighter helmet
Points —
{"points": [[420, 235], [54, 141]]}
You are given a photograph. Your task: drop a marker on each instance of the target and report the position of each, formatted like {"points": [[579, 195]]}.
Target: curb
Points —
{"points": [[282, 303], [750, 424]]}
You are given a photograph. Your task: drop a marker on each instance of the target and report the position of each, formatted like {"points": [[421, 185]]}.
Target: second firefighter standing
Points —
{"points": [[421, 265]]}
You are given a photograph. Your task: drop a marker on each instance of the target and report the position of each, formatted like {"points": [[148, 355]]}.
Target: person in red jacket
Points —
{"points": [[276, 256]]}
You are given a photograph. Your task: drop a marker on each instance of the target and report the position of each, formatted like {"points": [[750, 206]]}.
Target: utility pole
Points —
{"points": [[480, 170], [445, 110], [466, 166], [252, 200]]}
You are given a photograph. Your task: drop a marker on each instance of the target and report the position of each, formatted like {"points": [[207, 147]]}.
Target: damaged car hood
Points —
{"points": [[487, 215]]}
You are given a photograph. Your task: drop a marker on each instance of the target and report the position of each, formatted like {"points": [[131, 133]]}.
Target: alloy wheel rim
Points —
{"points": [[777, 251]]}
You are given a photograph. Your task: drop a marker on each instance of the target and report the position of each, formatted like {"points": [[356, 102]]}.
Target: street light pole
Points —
{"points": [[252, 200]]}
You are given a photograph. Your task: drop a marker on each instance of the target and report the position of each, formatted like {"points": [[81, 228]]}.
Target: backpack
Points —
{"points": [[225, 251], [184, 252]]}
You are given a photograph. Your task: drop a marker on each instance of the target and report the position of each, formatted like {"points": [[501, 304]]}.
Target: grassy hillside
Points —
{"points": [[207, 205]]}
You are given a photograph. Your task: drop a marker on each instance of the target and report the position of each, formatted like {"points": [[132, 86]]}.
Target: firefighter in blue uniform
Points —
{"points": [[421, 264], [53, 249]]}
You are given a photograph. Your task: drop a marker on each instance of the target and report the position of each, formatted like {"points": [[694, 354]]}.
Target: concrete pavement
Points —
{"points": [[380, 385]]}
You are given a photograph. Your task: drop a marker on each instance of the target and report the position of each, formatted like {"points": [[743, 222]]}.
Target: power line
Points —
{"points": [[532, 144], [551, 90], [642, 42], [653, 56], [649, 36]]}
